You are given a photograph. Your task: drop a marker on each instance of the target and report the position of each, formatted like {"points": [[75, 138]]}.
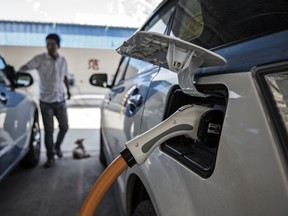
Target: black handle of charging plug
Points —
{"points": [[128, 157]]}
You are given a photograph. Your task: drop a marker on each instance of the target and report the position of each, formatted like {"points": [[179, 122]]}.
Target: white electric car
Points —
{"points": [[238, 166]]}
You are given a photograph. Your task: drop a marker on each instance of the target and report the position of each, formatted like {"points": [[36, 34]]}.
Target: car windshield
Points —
{"points": [[2, 64], [214, 23]]}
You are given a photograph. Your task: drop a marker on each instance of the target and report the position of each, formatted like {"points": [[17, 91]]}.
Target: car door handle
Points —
{"points": [[133, 102], [109, 97], [3, 98]]}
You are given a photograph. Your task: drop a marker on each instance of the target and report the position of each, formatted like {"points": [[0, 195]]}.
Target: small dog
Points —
{"points": [[79, 152]]}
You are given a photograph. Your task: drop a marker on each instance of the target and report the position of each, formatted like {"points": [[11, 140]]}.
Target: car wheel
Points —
{"points": [[102, 157], [145, 208], [33, 155]]}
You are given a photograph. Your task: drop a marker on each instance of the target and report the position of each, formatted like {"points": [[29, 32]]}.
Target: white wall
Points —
{"points": [[77, 59]]}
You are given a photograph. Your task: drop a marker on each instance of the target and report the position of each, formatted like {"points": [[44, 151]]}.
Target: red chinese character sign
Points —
{"points": [[93, 64]]}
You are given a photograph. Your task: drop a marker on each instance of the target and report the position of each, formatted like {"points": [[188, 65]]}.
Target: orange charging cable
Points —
{"points": [[102, 185], [138, 149]]}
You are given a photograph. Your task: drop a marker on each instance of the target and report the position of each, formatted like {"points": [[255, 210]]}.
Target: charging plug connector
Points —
{"points": [[185, 121]]}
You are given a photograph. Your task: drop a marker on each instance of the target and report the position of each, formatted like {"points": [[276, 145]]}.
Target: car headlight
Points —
{"points": [[273, 83]]}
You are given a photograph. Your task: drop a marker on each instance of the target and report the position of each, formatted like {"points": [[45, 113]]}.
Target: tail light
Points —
{"points": [[273, 83]]}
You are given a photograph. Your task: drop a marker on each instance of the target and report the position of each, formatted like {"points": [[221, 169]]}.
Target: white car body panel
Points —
{"points": [[234, 188]]}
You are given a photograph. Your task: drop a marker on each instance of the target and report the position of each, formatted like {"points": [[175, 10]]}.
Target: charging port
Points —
{"points": [[198, 155]]}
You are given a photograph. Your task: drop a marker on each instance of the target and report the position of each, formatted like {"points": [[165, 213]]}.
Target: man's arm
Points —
{"points": [[32, 64], [66, 82], [23, 68]]}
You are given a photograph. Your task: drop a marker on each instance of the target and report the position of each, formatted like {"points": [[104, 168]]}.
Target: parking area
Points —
{"points": [[189, 97], [60, 190]]}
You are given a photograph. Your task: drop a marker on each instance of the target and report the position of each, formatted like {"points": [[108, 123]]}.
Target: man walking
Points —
{"points": [[53, 71]]}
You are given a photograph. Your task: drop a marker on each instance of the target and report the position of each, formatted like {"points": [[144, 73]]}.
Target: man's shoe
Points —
{"points": [[49, 163], [59, 152]]}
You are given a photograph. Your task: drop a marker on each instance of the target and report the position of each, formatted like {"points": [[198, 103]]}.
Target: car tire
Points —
{"points": [[145, 208], [33, 156], [102, 157]]}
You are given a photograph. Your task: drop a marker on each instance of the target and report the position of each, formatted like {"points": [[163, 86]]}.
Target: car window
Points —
{"points": [[136, 66], [213, 23], [188, 20], [122, 69], [158, 23]]}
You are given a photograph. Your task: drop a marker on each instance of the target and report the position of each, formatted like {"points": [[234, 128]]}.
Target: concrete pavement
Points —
{"points": [[60, 190]]}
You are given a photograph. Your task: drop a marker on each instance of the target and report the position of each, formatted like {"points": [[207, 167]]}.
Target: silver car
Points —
{"points": [[19, 125], [239, 165]]}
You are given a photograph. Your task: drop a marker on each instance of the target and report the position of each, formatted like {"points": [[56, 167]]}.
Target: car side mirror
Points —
{"points": [[23, 79], [99, 80]]}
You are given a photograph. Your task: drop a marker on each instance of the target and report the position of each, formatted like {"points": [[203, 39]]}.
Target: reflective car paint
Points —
{"points": [[16, 119]]}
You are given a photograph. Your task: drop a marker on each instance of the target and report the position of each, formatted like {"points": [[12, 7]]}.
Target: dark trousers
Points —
{"points": [[48, 111]]}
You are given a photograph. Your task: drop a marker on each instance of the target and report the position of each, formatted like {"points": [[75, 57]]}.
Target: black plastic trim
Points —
{"points": [[128, 157]]}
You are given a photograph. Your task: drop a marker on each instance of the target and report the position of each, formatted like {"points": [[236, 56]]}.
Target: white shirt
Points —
{"points": [[51, 73]]}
